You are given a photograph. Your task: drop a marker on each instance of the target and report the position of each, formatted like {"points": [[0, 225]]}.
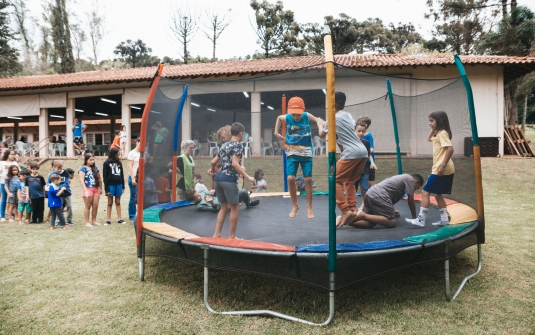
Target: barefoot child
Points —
{"points": [[440, 180], [298, 148], [226, 185], [11, 187], [112, 171], [368, 137], [91, 185], [352, 159]]}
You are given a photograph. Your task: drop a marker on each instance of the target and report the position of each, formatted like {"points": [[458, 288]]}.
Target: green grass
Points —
{"points": [[85, 281]]}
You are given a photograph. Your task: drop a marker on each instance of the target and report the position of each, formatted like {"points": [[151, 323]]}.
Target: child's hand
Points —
{"points": [[212, 192], [440, 171], [373, 166], [159, 192], [208, 199], [264, 187], [251, 179], [107, 194]]}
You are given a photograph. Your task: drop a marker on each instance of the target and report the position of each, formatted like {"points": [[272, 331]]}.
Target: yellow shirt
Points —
{"points": [[441, 142]]}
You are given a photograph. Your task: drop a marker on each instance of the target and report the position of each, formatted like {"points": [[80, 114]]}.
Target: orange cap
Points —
{"points": [[296, 105]]}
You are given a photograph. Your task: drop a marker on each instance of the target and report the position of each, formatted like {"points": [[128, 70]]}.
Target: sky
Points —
{"points": [[148, 21]]}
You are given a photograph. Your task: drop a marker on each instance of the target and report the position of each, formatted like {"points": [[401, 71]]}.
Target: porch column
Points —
{"points": [[185, 122], [126, 119], [256, 123], [69, 120], [43, 132]]}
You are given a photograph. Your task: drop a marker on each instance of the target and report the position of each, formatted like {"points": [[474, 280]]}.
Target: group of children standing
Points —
{"points": [[26, 191]]}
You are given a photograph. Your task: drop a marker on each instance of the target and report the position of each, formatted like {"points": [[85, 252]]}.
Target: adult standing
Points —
{"points": [[7, 160], [186, 168], [133, 165], [78, 128]]}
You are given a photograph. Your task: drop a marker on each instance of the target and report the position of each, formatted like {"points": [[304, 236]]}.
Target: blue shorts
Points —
{"points": [[115, 190], [363, 182], [293, 162], [439, 185]]}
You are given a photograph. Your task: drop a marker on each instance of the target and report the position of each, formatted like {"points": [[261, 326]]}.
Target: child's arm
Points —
{"points": [[60, 192], [81, 177], [6, 187], [28, 194], [412, 205], [280, 119], [213, 164], [19, 192], [319, 121], [447, 157], [372, 163], [236, 165]]}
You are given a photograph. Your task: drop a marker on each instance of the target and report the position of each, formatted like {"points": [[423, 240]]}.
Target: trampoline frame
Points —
{"points": [[332, 255]]}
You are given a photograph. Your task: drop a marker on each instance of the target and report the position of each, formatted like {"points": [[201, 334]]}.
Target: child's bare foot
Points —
{"points": [[89, 225], [293, 213], [360, 215], [21, 223], [345, 217], [339, 221], [309, 213], [96, 224]]}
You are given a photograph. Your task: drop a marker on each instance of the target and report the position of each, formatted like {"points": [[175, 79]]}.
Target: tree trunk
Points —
{"points": [[504, 8], [214, 40], [185, 51], [524, 112], [513, 5], [513, 115]]}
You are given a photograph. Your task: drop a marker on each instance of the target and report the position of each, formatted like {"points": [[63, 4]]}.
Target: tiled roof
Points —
{"points": [[246, 67], [63, 123]]}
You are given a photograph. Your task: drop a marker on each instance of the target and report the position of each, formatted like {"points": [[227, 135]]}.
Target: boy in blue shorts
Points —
{"points": [[298, 148], [226, 180], [64, 182], [36, 184], [23, 194]]}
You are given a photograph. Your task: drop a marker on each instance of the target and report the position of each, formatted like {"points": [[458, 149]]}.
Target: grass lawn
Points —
{"points": [[85, 280]]}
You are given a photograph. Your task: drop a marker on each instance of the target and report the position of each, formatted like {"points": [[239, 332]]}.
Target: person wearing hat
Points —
{"points": [[298, 148]]}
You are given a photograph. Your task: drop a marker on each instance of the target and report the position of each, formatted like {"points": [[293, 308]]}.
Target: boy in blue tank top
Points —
{"points": [[298, 148]]}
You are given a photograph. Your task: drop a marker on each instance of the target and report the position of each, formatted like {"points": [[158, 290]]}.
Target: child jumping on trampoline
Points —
{"points": [[440, 180], [226, 186], [368, 137], [370, 163], [352, 159], [298, 148]]}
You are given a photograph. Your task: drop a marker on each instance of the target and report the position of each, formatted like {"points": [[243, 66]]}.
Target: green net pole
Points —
{"points": [[395, 121], [475, 141]]}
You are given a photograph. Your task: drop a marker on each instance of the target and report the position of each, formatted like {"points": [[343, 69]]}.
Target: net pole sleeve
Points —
{"points": [[173, 178], [395, 121], [285, 172], [141, 168], [179, 117], [475, 140], [331, 136]]}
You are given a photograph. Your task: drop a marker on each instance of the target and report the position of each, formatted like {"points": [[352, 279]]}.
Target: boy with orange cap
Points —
{"points": [[298, 148]]}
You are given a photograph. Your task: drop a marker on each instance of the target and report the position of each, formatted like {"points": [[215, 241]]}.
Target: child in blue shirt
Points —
{"points": [[54, 202], [368, 137], [36, 185]]}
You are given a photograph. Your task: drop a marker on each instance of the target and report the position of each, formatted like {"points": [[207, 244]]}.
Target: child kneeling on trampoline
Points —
{"points": [[226, 180], [208, 202]]}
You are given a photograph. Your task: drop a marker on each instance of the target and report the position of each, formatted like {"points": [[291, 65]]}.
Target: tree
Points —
{"points": [[215, 22], [276, 29], [61, 36], [20, 13], [9, 64], [400, 36], [183, 25], [460, 24], [136, 54], [97, 23], [524, 91]]}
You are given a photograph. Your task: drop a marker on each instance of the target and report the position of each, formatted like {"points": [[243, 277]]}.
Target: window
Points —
{"points": [[90, 139]]}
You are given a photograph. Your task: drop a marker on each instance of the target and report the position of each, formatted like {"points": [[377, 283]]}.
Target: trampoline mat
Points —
{"points": [[269, 222]]}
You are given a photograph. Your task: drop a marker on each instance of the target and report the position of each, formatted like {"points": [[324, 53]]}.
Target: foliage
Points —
{"points": [[9, 64], [136, 54], [459, 24], [63, 59], [97, 30], [275, 28], [515, 35]]}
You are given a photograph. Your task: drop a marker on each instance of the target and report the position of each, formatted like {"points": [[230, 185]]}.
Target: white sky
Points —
{"points": [[146, 20]]}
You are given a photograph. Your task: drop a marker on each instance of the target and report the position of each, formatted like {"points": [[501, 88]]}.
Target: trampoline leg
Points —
{"points": [[332, 286], [465, 280], [141, 259]]}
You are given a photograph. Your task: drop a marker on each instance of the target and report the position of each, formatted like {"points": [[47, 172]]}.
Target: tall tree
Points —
{"points": [[183, 25], [136, 53], [460, 24], [9, 64], [275, 27], [515, 36], [97, 29], [400, 36], [20, 12], [61, 37], [215, 22]]}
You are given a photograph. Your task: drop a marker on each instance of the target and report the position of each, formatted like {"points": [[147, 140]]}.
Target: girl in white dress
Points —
{"points": [[259, 183]]}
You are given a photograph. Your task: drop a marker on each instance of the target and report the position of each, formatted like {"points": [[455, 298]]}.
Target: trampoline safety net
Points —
{"points": [[210, 105]]}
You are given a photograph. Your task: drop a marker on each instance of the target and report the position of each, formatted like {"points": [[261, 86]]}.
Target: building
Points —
{"points": [[39, 107]]}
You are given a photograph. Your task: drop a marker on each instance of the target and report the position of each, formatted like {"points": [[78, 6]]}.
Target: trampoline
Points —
{"points": [[314, 252]]}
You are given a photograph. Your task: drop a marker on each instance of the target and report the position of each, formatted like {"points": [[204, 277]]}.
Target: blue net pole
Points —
{"points": [[178, 117]]}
